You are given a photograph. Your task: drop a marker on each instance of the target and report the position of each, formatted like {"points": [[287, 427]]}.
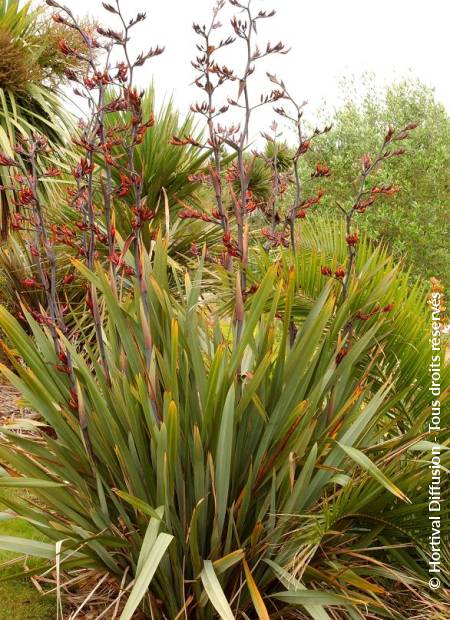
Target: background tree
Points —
{"points": [[416, 223]]}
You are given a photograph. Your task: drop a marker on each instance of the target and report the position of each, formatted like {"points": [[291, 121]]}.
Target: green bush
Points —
{"points": [[416, 223]]}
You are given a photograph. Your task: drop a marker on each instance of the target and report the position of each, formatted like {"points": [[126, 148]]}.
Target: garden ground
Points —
{"points": [[20, 598]]}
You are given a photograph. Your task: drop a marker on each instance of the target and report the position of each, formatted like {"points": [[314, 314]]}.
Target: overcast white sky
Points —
{"points": [[329, 39]]}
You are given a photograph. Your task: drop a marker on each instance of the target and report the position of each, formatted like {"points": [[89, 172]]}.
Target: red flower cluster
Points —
{"points": [[250, 202], [26, 196], [16, 221], [31, 283], [65, 48], [339, 273], [385, 190], [125, 185], [276, 239], [176, 141], [97, 79], [352, 239], [73, 402], [361, 316], [382, 190], [141, 215], [321, 170], [69, 278], [84, 168], [363, 205], [66, 236], [341, 354], [309, 202], [231, 245], [303, 148], [193, 214], [52, 172], [366, 162], [122, 72], [117, 259], [6, 161]]}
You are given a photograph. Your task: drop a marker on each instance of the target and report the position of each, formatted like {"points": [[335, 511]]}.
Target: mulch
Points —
{"points": [[9, 403]]}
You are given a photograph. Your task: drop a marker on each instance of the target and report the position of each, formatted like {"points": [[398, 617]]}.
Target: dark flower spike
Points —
{"points": [[65, 48], [110, 8], [152, 53], [140, 17], [118, 37]]}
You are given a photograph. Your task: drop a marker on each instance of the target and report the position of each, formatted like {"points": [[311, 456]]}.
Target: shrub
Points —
{"points": [[415, 225]]}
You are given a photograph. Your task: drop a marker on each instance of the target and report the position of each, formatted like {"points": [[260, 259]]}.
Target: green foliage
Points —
{"points": [[28, 99], [281, 152], [261, 173], [165, 168], [17, 265], [416, 223], [218, 467]]}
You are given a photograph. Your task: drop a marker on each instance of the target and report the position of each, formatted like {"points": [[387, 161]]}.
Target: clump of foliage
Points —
{"points": [[32, 71], [192, 469], [244, 436], [30, 55], [16, 70]]}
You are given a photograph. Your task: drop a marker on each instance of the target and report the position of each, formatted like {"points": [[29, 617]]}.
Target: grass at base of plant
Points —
{"points": [[19, 598], [21, 601]]}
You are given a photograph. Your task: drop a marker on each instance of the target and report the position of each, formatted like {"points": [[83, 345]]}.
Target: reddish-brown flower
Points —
{"points": [[16, 221], [6, 161], [31, 283], [341, 354], [366, 162], [362, 205], [83, 169], [339, 273], [385, 190], [26, 196], [125, 185], [52, 172], [321, 170], [65, 48], [69, 278], [352, 239]]}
